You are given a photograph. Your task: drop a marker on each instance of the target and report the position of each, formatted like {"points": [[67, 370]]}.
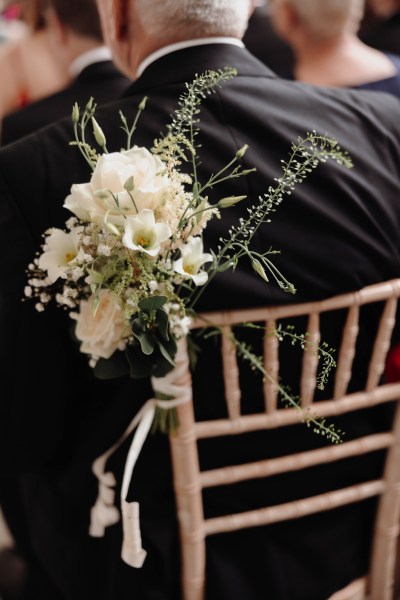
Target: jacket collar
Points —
{"points": [[182, 65]]}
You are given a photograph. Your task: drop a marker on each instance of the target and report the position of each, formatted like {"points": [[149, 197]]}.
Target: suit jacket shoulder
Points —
{"points": [[100, 80]]}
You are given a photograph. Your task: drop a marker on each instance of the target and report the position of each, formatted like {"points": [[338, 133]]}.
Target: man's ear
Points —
{"points": [[120, 18]]}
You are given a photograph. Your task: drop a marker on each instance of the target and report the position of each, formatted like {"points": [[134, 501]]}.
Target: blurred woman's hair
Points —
{"points": [[80, 16]]}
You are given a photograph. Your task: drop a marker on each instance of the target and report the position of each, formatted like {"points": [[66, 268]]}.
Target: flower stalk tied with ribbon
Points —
{"points": [[131, 265]]}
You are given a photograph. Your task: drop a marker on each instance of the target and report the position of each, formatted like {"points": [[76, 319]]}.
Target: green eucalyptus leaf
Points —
{"points": [[138, 327], [152, 303], [145, 337], [147, 343], [162, 324]]}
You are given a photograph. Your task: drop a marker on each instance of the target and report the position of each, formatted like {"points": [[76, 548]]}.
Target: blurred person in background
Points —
{"points": [[384, 32], [28, 70], [323, 36], [75, 41], [76, 44], [264, 43]]}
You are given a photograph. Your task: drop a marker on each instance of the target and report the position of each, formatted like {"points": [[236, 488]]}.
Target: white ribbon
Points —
{"points": [[104, 513]]}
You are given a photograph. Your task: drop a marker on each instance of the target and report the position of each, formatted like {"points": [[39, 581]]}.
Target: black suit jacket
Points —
{"points": [[100, 80], [338, 232]]}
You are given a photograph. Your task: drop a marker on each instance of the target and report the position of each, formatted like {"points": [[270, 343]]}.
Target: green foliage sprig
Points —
{"points": [[319, 425]]}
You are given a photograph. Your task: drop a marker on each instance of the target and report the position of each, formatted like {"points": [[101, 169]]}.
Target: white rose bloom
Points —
{"points": [[143, 234], [61, 249], [93, 201], [100, 334], [192, 258]]}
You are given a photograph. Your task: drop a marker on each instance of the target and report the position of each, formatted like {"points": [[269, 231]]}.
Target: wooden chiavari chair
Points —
{"points": [[189, 480]]}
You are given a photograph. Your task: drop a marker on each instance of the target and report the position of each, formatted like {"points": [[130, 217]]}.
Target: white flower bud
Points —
{"points": [[75, 113], [230, 201], [98, 133], [242, 151], [142, 105], [257, 266]]}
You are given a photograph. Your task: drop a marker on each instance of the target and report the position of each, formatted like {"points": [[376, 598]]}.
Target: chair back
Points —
{"points": [[189, 481]]}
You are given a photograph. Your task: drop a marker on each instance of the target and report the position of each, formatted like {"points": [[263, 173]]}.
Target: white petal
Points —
{"points": [[178, 267], [162, 231], [200, 278], [146, 217]]}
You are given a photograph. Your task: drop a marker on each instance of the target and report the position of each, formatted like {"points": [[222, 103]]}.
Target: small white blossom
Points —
{"points": [[104, 249], [39, 307], [65, 301], [28, 291], [61, 249], [153, 286], [84, 257], [191, 260], [71, 222], [181, 326], [77, 273], [38, 283], [143, 234]]}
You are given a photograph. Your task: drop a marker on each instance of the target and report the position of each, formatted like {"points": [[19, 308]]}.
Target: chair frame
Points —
{"points": [[189, 480]]}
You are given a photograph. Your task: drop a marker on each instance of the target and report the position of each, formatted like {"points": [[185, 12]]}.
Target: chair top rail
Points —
{"points": [[368, 295]]}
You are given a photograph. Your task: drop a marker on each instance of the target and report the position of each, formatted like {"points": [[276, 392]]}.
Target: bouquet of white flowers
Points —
{"points": [[130, 265]]}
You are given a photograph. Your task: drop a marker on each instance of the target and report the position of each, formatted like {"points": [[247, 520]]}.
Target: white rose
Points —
{"points": [[100, 334], [92, 201]]}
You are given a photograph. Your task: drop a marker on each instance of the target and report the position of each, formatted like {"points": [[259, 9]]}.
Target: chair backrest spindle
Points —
{"points": [[347, 352], [271, 366], [231, 374], [310, 361]]}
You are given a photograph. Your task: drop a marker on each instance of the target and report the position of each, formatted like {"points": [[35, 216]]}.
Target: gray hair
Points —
{"points": [[328, 18], [184, 19]]}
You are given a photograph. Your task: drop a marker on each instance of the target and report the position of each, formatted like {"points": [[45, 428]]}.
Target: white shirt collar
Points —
{"points": [[90, 57], [185, 44]]}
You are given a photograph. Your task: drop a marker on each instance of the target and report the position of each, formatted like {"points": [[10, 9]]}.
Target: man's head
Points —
{"points": [[320, 20], [135, 28]]}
